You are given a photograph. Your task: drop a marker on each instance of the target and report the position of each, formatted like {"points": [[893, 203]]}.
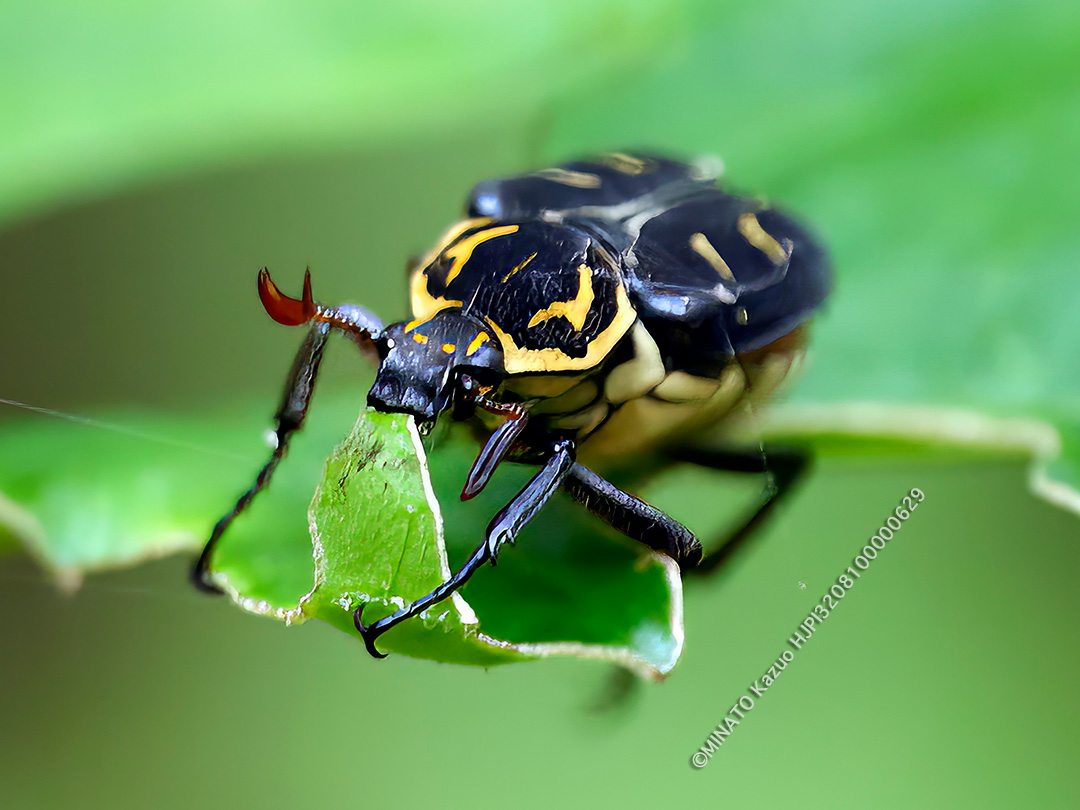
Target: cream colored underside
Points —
{"points": [[648, 407]]}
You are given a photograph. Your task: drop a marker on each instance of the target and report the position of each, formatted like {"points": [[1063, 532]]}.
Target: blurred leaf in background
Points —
{"points": [[151, 160], [100, 98]]}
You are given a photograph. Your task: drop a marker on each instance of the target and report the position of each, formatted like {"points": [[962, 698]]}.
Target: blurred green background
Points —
{"points": [[151, 161]]}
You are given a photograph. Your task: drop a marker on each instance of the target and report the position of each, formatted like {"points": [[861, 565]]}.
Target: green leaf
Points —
{"points": [[565, 589], [85, 495], [108, 497]]}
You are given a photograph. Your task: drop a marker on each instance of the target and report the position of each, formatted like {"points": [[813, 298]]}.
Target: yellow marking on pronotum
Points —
{"points": [[449, 348], [627, 164], [507, 276], [573, 310], [424, 304], [421, 339], [462, 251], [701, 245], [451, 234], [520, 361], [753, 233], [569, 178], [475, 344]]}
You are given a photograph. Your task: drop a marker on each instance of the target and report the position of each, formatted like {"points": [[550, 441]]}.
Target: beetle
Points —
{"points": [[596, 316]]}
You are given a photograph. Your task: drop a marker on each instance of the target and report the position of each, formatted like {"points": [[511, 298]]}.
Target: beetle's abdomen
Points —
{"points": [[641, 400], [581, 403], [684, 405]]}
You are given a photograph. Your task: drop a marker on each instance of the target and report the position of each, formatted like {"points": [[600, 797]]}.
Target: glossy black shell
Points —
{"points": [[710, 274]]}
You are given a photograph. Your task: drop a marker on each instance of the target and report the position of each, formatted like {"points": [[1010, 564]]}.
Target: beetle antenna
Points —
{"points": [[496, 446], [356, 322], [282, 308]]}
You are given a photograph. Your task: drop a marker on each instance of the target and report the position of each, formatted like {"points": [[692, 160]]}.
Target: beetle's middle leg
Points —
{"points": [[504, 528], [633, 517]]}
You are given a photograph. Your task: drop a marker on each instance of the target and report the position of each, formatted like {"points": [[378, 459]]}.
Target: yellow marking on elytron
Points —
{"points": [[449, 348], [421, 339], [461, 251], [517, 360], [424, 304], [570, 178], [742, 316], [753, 233], [627, 164], [574, 310], [475, 344], [507, 276], [415, 323], [701, 245]]}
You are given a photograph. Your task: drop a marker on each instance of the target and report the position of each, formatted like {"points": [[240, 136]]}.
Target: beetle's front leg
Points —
{"points": [[504, 528], [289, 418], [356, 322], [506, 525]]}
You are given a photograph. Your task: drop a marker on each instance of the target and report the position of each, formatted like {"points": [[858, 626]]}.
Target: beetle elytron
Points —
{"points": [[594, 316]]}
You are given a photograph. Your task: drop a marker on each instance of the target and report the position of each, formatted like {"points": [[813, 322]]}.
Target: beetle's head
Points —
{"points": [[430, 366]]}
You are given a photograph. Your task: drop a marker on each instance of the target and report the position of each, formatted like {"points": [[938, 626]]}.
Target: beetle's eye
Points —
{"points": [[383, 345]]}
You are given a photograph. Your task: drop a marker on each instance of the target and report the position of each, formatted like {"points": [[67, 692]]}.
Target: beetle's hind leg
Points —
{"points": [[633, 517], [504, 528], [786, 466]]}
